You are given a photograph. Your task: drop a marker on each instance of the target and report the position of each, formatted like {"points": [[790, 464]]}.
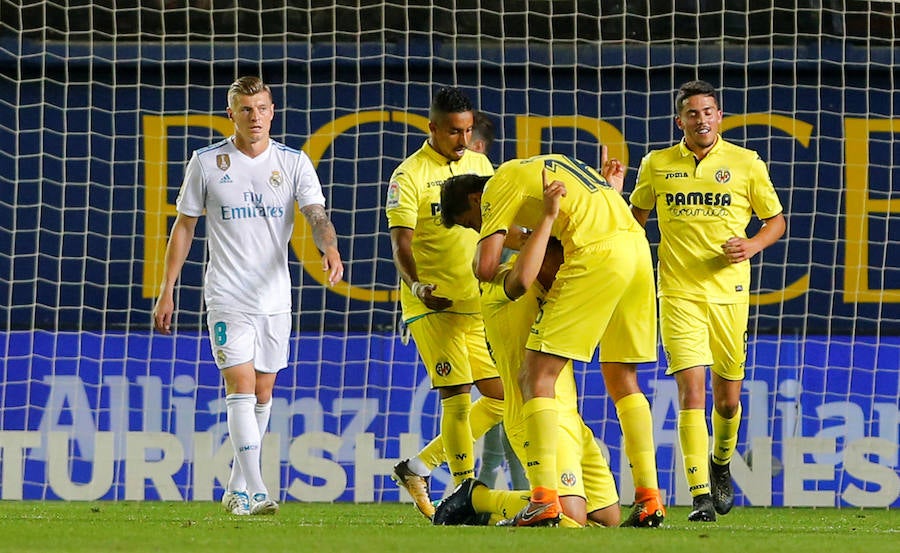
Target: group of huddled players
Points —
{"points": [[582, 278]]}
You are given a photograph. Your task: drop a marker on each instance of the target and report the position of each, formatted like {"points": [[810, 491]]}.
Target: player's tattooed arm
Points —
{"points": [[323, 231], [325, 239]]}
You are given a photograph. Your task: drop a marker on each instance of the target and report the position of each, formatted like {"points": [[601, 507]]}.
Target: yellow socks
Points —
{"points": [[485, 414], [637, 436], [457, 436], [541, 428], [566, 522], [693, 436], [725, 435], [503, 503], [433, 452]]}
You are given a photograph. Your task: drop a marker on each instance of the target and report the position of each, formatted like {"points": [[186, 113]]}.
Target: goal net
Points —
{"points": [[102, 103]]}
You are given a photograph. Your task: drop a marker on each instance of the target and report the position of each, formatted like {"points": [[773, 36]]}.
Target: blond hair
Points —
{"points": [[246, 86]]}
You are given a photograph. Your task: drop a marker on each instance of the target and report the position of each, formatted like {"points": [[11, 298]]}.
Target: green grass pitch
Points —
{"points": [[375, 528]]}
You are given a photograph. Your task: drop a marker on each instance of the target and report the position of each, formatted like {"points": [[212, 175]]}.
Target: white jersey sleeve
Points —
{"points": [[308, 189], [192, 196]]}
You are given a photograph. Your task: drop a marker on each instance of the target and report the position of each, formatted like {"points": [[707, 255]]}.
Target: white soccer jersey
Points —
{"points": [[249, 206]]}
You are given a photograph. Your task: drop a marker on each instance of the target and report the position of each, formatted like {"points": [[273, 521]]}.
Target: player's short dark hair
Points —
{"points": [[483, 128], [449, 100], [694, 88], [455, 196]]}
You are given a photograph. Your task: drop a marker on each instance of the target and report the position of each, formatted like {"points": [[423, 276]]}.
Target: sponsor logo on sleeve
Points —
{"points": [[393, 195]]}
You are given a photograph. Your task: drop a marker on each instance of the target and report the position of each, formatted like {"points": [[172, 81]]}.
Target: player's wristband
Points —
{"points": [[416, 287]]}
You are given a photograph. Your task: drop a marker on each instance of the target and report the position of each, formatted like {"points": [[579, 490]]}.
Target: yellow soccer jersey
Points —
{"points": [[700, 206], [443, 256], [507, 324], [591, 212]]}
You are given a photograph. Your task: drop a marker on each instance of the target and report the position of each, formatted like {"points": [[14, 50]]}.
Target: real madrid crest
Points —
{"points": [[223, 161], [276, 179]]}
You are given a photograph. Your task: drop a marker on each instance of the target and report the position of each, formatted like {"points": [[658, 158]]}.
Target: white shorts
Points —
{"points": [[237, 338]]}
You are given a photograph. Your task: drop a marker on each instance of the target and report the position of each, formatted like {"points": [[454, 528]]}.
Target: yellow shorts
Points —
{"points": [[696, 334], [582, 468], [604, 295], [453, 348]]}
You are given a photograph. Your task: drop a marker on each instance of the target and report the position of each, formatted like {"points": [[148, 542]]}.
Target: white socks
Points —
{"points": [[244, 430], [237, 482], [417, 466], [262, 412]]}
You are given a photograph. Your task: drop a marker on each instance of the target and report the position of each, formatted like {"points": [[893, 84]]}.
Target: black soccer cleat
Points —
{"points": [[704, 511], [457, 510], [721, 488]]}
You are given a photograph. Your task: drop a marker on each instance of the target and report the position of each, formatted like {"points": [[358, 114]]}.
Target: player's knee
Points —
{"points": [[575, 508], [450, 391], [727, 408], [607, 516], [490, 387]]}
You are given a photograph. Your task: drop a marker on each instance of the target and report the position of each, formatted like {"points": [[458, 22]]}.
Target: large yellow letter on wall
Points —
{"points": [[859, 206], [315, 147], [157, 208], [802, 132]]}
